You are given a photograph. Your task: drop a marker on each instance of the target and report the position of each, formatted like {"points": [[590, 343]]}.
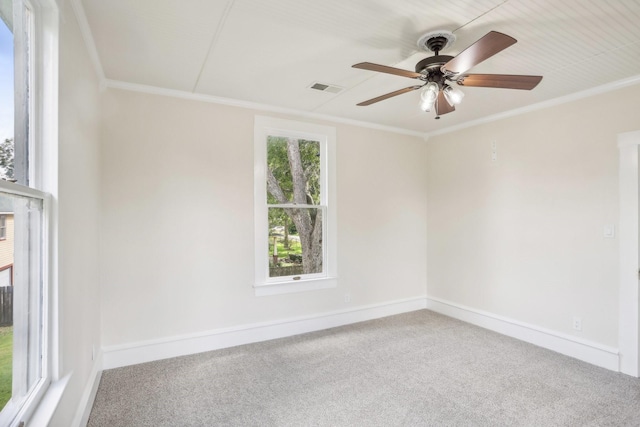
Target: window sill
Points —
{"points": [[291, 286], [49, 402], [38, 407]]}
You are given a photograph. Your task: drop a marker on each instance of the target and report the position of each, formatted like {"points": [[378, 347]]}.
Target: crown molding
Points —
{"points": [[425, 136], [154, 90], [598, 90], [87, 36]]}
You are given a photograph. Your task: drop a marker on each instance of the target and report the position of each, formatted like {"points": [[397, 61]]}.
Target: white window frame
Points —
{"points": [[41, 130], [3, 226], [326, 135]]}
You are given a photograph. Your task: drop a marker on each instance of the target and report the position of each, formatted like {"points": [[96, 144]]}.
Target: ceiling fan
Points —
{"points": [[437, 73]]}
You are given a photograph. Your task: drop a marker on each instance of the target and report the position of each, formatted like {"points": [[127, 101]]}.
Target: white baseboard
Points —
{"points": [[148, 351], [587, 351], [89, 394]]}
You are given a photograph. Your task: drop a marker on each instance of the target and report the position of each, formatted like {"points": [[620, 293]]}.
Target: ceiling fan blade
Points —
{"points": [[442, 105], [389, 70], [389, 95], [505, 81], [492, 43]]}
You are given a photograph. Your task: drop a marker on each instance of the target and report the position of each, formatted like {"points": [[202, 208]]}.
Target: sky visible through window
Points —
{"points": [[6, 82], [6, 132]]}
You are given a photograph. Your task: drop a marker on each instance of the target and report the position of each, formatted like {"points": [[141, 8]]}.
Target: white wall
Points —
{"points": [[522, 237], [78, 202], [177, 220]]}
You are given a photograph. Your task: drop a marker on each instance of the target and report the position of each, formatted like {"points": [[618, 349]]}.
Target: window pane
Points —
{"points": [[6, 95], [6, 206], [20, 298], [295, 241], [6, 304], [293, 174]]}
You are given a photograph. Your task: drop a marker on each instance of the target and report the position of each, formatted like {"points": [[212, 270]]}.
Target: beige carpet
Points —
{"points": [[415, 369]]}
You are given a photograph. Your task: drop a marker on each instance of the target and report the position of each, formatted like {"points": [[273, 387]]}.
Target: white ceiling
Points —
{"points": [[270, 52]]}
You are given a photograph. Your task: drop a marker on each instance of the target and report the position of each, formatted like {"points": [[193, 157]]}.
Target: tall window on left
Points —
{"points": [[24, 371]]}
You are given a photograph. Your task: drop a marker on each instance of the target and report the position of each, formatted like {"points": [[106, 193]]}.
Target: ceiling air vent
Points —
{"points": [[326, 87]]}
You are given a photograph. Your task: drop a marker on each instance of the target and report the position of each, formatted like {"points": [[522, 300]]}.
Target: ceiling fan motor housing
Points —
{"points": [[432, 63], [431, 68]]}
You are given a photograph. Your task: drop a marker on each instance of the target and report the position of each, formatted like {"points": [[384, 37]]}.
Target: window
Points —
{"points": [[27, 351], [26, 81], [295, 221]]}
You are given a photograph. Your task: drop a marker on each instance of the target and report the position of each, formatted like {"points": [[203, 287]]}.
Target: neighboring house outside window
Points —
{"points": [[295, 218], [6, 244]]}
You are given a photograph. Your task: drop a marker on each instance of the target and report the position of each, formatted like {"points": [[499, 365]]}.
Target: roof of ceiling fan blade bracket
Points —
{"points": [[451, 80], [436, 40]]}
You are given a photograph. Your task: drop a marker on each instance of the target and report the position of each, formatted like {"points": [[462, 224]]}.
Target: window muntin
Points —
{"points": [[283, 212]]}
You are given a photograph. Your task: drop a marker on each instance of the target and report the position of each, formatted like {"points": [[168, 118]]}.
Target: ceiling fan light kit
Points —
{"points": [[428, 96], [453, 95], [439, 72]]}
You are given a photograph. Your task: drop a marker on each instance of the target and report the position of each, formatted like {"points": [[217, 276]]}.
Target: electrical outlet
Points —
{"points": [[577, 323], [347, 297], [609, 231]]}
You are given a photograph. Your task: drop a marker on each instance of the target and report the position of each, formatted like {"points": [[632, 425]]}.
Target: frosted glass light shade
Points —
{"points": [[453, 95], [428, 96]]}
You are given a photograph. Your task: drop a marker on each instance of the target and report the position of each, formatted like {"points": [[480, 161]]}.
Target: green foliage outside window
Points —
{"points": [[293, 178]]}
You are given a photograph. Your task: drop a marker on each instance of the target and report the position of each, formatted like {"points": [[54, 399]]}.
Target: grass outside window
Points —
{"points": [[6, 364]]}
